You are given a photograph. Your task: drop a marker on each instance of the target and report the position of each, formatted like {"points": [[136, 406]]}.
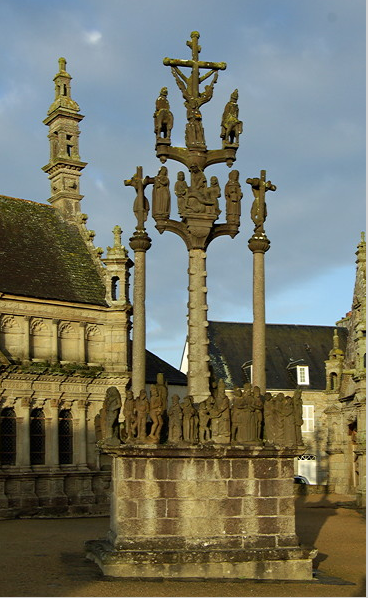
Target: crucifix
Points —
{"points": [[259, 208], [259, 244], [140, 242], [189, 86], [141, 205]]}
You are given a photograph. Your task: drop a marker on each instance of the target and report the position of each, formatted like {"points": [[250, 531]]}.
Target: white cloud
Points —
{"points": [[92, 37]]}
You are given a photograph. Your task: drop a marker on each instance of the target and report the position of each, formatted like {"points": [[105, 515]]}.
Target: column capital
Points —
{"points": [[259, 243], [140, 241]]}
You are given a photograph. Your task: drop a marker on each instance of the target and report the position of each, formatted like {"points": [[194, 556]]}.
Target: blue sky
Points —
{"points": [[299, 67]]}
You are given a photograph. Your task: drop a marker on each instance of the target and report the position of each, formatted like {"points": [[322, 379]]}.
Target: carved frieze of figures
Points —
{"points": [[199, 198], [161, 195], [163, 117], [231, 126], [249, 418]]}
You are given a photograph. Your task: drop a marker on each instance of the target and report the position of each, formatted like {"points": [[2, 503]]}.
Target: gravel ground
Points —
{"points": [[46, 558]]}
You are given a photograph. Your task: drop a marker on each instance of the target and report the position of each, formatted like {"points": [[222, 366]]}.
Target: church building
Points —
{"points": [[65, 321]]}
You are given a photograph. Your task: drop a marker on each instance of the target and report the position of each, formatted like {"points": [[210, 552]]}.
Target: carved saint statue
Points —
{"points": [[239, 417], [175, 420], [161, 195], [110, 417], [204, 409], [269, 418], [233, 195], [161, 386], [189, 419], [220, 415], [181, 192], [258, 412], [142, 408], [231, 126], [213, 193], [156, 410], [194, 132], [130, 415], [163, 117]]}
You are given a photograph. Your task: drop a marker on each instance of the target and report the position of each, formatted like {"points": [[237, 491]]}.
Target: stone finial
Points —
{"points": [[117, 250], [62, 64], [117, 236]]}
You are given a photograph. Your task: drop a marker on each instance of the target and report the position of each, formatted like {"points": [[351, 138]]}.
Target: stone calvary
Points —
{"points": [[203, 486]]}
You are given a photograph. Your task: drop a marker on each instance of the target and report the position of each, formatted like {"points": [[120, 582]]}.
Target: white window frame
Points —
{"points": [[308, 418], [302, 373]]}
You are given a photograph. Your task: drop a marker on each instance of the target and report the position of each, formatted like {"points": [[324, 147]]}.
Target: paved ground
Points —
{"points": [[46, 558]]}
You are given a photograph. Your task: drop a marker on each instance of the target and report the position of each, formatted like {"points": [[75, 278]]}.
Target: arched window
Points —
{"points": [[65, 437], [37, 437], [8, 430], [115, 288], [333, 381]]}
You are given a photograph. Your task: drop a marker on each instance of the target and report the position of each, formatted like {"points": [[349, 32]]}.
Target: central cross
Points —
{"points": [[191, 91]]}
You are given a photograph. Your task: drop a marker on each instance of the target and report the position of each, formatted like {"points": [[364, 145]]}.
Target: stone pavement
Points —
{"points": [[46, 558]]}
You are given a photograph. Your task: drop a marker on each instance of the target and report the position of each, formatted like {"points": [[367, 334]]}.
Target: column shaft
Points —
{"points": [[259, 322], [198, 359], [139, 323]]}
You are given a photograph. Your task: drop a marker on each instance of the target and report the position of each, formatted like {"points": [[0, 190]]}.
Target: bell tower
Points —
{"points": [[65, 165]]}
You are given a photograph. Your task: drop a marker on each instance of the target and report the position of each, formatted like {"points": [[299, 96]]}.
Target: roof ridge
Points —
{"points": [[38, 203]]}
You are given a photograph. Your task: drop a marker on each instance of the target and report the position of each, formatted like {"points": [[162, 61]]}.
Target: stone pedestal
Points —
{"points": [[202, 512]]}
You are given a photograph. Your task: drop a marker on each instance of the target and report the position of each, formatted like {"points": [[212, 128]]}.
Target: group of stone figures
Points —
{"points": [[198, 198], [249, 418], [231, 126]]}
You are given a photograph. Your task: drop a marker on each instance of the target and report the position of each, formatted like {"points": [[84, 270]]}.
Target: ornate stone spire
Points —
{"points": [[65, 165]]}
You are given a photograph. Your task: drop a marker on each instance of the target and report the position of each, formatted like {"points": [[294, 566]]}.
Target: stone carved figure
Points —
{"points": [[213, 193], [197, 193], [141, 205], [110, 417], [163, 117], [259, 208], [189, 413], [161, 195], [181, 192], [142, 409], [129, 413], [162, 389], [175, 414], [257, 412], [194, 132], [220, 415], [156, 411], [289, 422], [298, 415], [231, 126], [269, 418], [204, 410], [233, 195], [240, 417]]}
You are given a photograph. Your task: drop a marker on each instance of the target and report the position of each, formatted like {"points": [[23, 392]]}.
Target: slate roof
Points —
{"points": [[155, 365], [230, 346], [45, 257]]}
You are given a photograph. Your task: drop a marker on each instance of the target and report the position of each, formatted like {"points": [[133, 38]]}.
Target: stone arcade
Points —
{"points": [[211, 494]]}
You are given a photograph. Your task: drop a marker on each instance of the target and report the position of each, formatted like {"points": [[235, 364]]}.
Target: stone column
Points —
{"points": [[82, 342], [198, 359], [259, 245], [26, 342], [52, 435], [81, 435], [140, 243], [23, 435], [54, 341]]}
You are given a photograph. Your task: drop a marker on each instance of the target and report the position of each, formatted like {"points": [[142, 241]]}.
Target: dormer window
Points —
{"points": [[302, 374]]}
